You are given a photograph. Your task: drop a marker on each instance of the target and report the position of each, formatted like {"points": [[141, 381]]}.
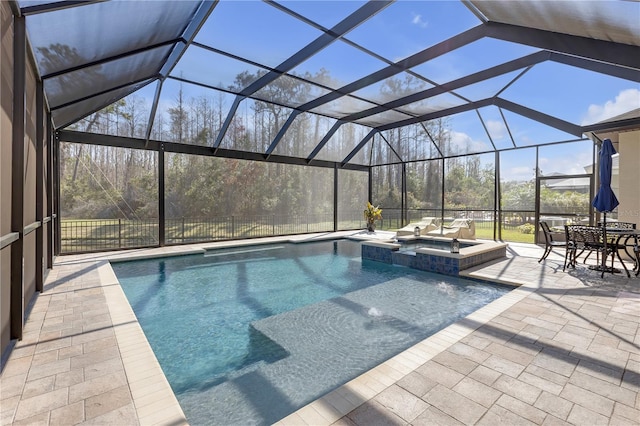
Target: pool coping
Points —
{"points": [[148, 382]]}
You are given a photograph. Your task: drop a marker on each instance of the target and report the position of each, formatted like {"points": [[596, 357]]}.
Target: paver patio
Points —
{"points": [[563, 348]]}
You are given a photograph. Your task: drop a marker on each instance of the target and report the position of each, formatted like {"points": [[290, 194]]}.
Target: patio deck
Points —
{"points": [[563, 348]]}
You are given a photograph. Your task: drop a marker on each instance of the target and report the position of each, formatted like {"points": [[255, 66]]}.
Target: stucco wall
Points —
{"points": [[629, 179]]}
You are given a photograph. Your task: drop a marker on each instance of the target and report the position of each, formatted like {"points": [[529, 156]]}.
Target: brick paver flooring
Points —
{"points": [[563, 348]]}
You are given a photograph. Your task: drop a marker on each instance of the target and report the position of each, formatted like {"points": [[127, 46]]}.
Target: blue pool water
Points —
{"points": [[249, 335]]}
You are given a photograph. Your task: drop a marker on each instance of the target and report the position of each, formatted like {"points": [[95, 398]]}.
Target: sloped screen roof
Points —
{"points": [[356, 70]]}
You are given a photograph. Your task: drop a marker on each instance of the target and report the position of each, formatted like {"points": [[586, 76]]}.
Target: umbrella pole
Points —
{"points": [[604, 239]]}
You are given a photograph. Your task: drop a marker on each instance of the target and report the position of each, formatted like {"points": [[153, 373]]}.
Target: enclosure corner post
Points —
{"points": [[161, 212]]}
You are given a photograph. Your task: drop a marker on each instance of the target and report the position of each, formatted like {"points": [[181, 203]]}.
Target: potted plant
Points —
{"points": [[371, 214]]}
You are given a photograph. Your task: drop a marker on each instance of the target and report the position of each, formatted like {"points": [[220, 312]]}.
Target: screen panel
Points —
{"points": [[108, 197], [211, 198]]}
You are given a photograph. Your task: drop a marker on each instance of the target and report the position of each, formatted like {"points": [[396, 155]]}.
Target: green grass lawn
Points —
{"points": [[507, 235]]}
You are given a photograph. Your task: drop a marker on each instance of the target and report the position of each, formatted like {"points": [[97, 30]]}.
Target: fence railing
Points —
{"points": [[184, 230], [107, 234], [89, 235], [111, 234]]}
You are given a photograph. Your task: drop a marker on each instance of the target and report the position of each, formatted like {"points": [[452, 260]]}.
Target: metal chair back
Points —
{"points": [[619, 225]]}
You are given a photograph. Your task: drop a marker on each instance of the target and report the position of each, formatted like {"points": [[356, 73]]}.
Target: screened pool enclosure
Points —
{"points": [[189, 121]]}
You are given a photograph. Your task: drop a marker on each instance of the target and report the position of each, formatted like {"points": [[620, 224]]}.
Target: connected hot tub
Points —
{"points": [[434, 254]]}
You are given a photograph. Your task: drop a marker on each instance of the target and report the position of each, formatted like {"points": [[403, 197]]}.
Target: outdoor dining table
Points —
{"points": [[620, 238]]}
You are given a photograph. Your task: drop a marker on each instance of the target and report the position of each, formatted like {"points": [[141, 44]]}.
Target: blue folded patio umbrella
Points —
{"points": [[605, 200]]}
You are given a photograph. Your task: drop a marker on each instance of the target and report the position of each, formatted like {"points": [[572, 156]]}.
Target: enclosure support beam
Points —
{"points": [[537, 196], [335, 198], [181, 148], [50, 192], [442, 194], [497, 201], [161, 213], [540, 117], [154, 109], [227, 122], [599, 50], [281, 133], [17, 177], [56, 194], [358, 147], [403, 203], [40, 261], [370, 193], [324, 140]]}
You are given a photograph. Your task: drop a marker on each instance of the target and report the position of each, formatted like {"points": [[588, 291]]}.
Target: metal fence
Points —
{"points": [[112, 234], [185, 230], [107, 234]]}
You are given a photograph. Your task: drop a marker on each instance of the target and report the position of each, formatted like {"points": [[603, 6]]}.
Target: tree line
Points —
{"points": [[108, 182]]}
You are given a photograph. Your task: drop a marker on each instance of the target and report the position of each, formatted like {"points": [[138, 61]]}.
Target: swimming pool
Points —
{"points": [[249, 335]]}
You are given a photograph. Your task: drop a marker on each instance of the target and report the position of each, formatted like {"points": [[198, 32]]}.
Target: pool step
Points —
{"points": [[358, 328]]}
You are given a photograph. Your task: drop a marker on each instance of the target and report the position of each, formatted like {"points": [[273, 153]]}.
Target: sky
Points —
{"points": [[265, 35]]}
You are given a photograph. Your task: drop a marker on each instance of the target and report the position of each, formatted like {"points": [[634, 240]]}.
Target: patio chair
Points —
{"points": [[624, 245], [459, 228], [576, 244], [425, 224], [550, 243], [619, 225], [590, 239], [627, 243], [594, 241]]}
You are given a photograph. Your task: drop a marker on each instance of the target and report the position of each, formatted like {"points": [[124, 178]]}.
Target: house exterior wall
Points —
{"points": [[629, 177]]}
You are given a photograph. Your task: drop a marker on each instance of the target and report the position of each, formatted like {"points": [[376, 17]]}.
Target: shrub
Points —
{"points": [[527, 228]]}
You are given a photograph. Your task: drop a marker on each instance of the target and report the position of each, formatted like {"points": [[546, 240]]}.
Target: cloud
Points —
{"points": [[570, 165], [462, 142], [497, 129], [417, 20], [626, 101], [519, 174]]}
